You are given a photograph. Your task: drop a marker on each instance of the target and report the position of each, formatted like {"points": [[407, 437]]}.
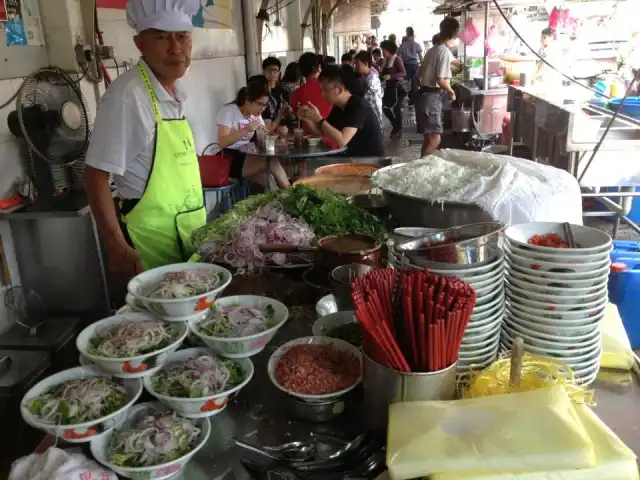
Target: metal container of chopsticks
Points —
{"points": [[471, 244], [384, 386], [340, 280]]}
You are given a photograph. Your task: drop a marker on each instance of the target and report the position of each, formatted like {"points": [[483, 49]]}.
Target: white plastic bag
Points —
{"points": [[57, 464], [520, 190], [512, 190]]}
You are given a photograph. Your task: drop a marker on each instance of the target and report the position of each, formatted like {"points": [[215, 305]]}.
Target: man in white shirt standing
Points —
{"points": [[434, 77], [142, 138]]}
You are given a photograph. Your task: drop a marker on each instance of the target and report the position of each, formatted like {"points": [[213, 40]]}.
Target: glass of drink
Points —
{"points": [[270, 143], [298, 136]]}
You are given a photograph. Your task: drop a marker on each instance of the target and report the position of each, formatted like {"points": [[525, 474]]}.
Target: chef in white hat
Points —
{"points": [[142, 139]]}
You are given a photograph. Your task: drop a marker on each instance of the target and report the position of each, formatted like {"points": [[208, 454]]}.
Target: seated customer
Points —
{"points": [[277, 111], [237, 123], [291, 78], [310, 91], [328, 61], [347, 59], [351, 123]]}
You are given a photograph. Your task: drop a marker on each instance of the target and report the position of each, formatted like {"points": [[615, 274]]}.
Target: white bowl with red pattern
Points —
{"points": [[586, 316], [555, 290], [597, 274], [165, 471], [551, 257], [138, 365], [250, 345], [591, 240], [543, 300], [176, 309], [334, 343], [80, 432], [201, 407], [567, 266], [516, 299]]}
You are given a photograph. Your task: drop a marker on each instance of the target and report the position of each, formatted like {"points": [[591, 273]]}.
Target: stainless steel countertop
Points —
{"points": [[471, 86], [258, 415]]}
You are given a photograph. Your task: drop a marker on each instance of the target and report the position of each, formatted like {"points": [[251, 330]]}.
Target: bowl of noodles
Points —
{"points": [[240, 326], [130, 344], [153, 443], [196, 383], [179, 292], [77, 405]]}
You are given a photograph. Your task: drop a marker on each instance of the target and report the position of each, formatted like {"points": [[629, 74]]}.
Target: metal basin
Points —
{"points": [[414, 212], [465, 245]]}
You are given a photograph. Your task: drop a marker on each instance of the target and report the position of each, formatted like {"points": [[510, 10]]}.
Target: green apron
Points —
{"points": [[172, 205]]}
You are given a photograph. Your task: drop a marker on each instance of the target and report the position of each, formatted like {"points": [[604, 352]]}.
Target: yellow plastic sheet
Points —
{"points": [[519, 432], [615, 461], [616, 348]]}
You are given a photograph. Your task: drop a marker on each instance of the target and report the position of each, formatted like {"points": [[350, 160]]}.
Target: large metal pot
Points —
{"points": [[461, 120], [409, 211]]}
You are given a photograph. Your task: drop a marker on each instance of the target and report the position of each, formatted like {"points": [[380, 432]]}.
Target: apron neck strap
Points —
{"points": [[152, 92]]}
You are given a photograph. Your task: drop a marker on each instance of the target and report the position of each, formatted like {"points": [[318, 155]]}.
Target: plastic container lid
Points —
{"points": [[618, 267]]}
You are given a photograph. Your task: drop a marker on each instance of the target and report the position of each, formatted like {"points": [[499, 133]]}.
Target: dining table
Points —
{"points": [[288, 150]]}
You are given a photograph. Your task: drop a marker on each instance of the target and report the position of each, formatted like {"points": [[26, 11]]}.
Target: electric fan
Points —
{"points": [[51, 117]]}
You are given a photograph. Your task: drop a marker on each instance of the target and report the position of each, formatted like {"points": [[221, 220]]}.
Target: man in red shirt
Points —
{"points": [[310, 92]]}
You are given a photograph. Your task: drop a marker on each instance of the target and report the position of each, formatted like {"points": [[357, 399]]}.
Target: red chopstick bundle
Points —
{"points": [[432, 315]]}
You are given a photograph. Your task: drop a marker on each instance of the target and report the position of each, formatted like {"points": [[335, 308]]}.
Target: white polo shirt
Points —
{"points": [[123, 138]]}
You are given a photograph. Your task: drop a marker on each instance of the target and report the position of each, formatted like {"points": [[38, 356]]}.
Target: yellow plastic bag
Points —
{"points": [[616, 348], [614, 460], [518, 432]]}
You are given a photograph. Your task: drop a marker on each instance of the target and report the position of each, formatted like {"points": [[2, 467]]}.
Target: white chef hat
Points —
{"points": [[165, 15]]}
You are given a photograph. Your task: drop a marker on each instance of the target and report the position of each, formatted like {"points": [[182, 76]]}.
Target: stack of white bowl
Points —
{"points": [[481, 339], [556, 297]]}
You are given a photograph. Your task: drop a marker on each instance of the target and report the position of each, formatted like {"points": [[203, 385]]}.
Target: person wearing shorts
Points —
{"points": [[435, 77]]}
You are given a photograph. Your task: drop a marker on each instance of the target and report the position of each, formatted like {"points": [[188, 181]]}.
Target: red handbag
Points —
{"points": [[215, 168]]}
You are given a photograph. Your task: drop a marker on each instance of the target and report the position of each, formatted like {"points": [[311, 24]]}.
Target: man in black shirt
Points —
{"points": [[352, 122]]}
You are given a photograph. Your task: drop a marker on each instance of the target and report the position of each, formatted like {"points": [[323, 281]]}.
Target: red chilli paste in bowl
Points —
{"points": [[317, 369]]}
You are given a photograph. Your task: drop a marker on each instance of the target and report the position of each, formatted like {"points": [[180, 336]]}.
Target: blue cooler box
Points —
{"points": [[624, 286]]}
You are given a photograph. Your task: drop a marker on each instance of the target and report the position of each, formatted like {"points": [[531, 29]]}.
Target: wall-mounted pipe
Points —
{"points": [[249, 27]]}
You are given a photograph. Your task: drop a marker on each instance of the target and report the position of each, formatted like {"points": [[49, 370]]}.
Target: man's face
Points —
{"points": [[330, 91], [272, 72], [167, 53], [545, 40]]}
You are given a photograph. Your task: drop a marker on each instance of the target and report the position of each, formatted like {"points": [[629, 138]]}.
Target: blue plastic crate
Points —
{"points": [[624, 287], [630, 108]]}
